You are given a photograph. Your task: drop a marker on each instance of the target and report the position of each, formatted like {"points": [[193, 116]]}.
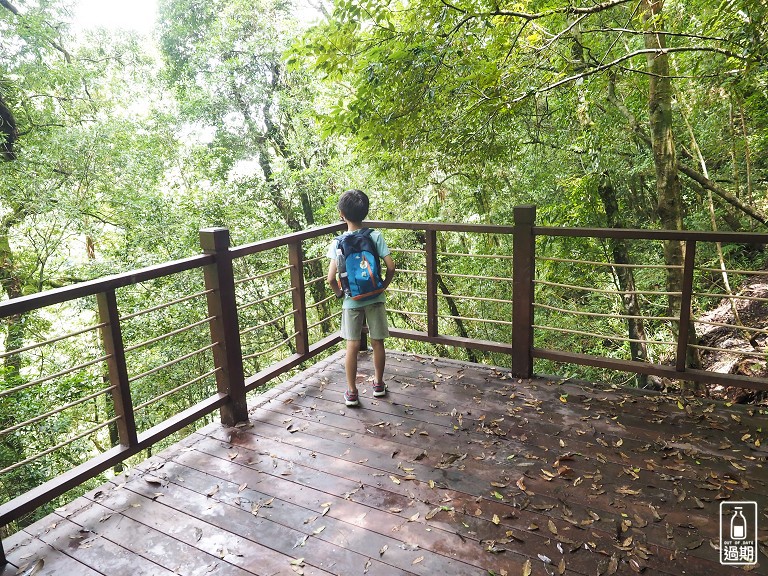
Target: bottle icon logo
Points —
{"points": [[738, 525]]}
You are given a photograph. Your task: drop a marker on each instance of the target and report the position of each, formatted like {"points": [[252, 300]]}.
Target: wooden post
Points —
{"points": [[299, 299], [431, 269], [683, 331], [112, 337], [225, 326], [523, 267]]}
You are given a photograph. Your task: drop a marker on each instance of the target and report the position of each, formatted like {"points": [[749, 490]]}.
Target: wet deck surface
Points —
{"points": [[459, 470]]}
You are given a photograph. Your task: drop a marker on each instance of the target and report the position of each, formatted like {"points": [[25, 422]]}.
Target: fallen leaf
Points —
{"points": [[383, 549], [613, 565], [552, 527], [27, 570], [394, 479], [419, 559], [527, 568], [496, 519], [627, 491], [301, 541]]}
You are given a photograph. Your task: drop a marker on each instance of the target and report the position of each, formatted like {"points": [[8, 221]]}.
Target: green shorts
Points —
{"points": [[374, 315]]}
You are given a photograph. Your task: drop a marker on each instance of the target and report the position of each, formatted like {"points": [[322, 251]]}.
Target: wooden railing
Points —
{"points": [[443, 283]]}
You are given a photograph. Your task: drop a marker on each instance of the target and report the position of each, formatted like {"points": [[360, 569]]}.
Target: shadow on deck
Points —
{"points": [[461, 469]]}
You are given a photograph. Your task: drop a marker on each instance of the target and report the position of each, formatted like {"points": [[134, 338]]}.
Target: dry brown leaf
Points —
{"points": [[561, 567], [552, 527], [613, 565], [527, 569], [627, 491], [419, 559], [27, 570], [496, 520]]}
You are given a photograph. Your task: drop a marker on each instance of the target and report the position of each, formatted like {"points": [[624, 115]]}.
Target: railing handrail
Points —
{"points": [[223, 314], [30, 302], [644, 234]]}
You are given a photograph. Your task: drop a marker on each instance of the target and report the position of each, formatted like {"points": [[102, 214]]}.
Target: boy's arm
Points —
{"points": [[390, 273], [332, 281]]}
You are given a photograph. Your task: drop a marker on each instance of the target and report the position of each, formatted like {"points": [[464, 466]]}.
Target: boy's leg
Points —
{"points": [[351, 327], [350, 364], [379, 360], [378, 330]]}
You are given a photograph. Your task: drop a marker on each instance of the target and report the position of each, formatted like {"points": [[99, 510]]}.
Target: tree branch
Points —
{"points": [[7, 5], [538, 15], [694, 175], [629, 56]]}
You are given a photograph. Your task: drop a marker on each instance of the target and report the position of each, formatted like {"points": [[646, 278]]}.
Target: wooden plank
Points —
{"points": [[468, 482], [215, 551], [416, 490], [457, 439], [303, 506], [93, 550], [223, 506], [25, 551], [385, 526], [363, 412]]}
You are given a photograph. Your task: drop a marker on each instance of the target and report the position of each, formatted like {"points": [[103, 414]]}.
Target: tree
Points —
{"points": [[526, 98]]}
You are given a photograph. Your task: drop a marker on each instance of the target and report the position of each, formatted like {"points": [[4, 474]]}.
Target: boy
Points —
{"points": [[353, 209]]}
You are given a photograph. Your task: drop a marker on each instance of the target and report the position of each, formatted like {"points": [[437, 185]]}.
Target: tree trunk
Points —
{"points": [[626, 278], [669, 207]]}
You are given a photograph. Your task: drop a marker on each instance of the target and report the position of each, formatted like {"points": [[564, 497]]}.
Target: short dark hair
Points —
{"points": [[354, 204]]}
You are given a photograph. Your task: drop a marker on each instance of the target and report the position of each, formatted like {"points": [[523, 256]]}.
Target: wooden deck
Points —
{"points": [[459, 470]]}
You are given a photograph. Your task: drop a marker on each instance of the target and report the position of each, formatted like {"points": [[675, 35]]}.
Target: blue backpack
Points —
{"points": [[357, 262]]}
